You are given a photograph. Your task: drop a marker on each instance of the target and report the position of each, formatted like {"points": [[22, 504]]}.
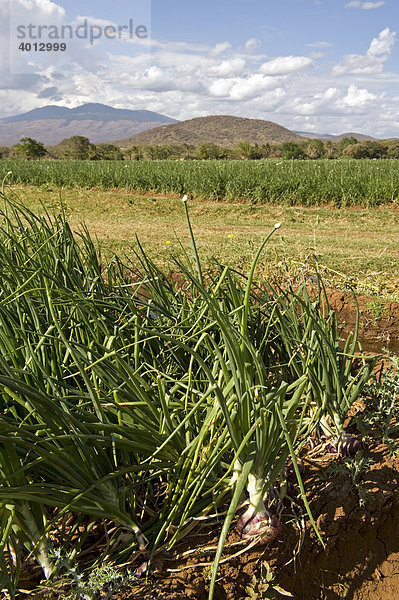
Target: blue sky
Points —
{"points": [[311, 65]]}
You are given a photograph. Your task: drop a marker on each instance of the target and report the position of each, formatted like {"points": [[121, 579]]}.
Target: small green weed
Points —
{"points": [[263, 586], [377, 309], [381, 416], [352, 469], [102, 583]]}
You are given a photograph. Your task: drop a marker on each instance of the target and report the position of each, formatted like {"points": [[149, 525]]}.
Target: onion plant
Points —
{"points": [[312, 342], [131, 396], [365, 182]]}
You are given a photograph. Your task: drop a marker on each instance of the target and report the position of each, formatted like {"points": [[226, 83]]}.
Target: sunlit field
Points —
{"points": [[308, 183], [351, 246]]}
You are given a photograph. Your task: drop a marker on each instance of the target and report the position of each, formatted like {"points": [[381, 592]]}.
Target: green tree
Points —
{"points": [[393, 150], [189, 151], [107, 152], [160, 152], [315, 149], [210, 151], [331, 149], [245, 150], [29, 148], [347, 141], [150, 152], [265, 150], [368, 149], [275, 152], [134, 153], [292, 151], [4, 152], [78, 147], [171, 151]]}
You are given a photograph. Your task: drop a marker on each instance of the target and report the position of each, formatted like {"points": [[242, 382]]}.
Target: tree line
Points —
{"points": [[80, 148]]}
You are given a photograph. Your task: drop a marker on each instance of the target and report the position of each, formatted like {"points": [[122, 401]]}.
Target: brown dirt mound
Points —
{"points": [[379, 320], [361, 558]]}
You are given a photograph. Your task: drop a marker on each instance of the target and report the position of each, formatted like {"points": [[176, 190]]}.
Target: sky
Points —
{"points": [[323, 66]]}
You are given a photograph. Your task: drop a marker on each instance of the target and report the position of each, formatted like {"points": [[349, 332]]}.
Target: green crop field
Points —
{"points": [[307, 183]]}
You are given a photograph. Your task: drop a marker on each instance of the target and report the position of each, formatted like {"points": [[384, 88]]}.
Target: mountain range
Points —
{"points": [[101, 123], [98, 122]]}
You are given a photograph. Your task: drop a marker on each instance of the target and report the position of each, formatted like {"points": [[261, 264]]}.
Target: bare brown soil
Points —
{"points": [[379, 320]]}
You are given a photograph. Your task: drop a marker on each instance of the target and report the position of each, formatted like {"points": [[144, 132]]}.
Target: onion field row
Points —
{"points": [[307, 183]]}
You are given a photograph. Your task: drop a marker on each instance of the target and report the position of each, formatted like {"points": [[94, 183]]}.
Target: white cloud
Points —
{"points": [[252, 44], [364, 5], [221, 88], [94, 21], [371, 5], [23, 12], [252, 86], [320, 45], [228, 68], [316, 55], [377, 53], [43, 7], [357, 97], [330, 94], [355, 64], [381, 47], [219, 48], [283, 65]]}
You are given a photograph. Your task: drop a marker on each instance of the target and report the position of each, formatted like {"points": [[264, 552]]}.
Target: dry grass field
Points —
{"points": [[352, 246]]}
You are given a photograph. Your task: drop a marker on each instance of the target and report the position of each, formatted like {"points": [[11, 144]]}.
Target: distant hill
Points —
{"points": [[335, 138], [222, 130], [359, 136], [311, 135], [98, 122]]}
